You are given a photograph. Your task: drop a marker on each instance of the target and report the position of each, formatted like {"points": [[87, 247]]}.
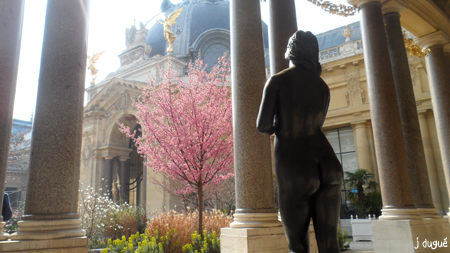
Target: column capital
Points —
{"points": [[108, 157], [447, 48], [123, 159], [358, 124], [358, 3], [395, 6], [433, 39]]}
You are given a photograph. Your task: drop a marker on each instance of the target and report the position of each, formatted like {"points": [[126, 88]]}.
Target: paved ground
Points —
{"points": [[360, 247]]}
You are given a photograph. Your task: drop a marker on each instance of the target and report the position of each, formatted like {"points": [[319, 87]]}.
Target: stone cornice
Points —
{"points": [[358, 3], [433, 39]]}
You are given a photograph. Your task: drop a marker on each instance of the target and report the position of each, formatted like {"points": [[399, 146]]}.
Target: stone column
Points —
{"points": [[408, 112], [432, 172], [391, 155], [253, 174], [54, 173], [447, 55], [124, 175], [363, 155], [438, 161], [108, 175], [255, 227], [282, 25], [11, 17], [439, 79], [373, 156]]}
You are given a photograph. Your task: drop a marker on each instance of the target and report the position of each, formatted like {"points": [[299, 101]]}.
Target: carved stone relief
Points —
{"points": [[86, 152], [414, 65], [355, 93]]}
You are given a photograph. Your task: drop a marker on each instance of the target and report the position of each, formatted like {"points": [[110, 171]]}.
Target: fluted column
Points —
{"points": [[391, 155], [252, 165], [282, 25], [363, 155], [54, 173], [429, 158], [439, 79], [124, 175], [11, 17], [408, 112], [108, 175]]}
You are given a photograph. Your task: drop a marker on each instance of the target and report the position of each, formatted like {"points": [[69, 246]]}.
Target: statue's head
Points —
{"points": [[303, 50]]}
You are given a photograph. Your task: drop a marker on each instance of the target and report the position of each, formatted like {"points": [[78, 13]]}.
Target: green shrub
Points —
{"points": [[125, 220], [145, 243], [344, 242], [209, 244]]}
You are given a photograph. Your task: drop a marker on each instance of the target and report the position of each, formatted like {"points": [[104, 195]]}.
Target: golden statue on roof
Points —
{"points": [[169, 22], [91, 66]]}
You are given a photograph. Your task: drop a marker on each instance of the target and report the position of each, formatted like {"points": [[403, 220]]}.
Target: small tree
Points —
{"points": [[361, 182], [187, 127]]}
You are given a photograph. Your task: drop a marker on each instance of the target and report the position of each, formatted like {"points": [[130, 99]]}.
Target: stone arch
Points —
{"points": [[209, 38], [112, 126]]}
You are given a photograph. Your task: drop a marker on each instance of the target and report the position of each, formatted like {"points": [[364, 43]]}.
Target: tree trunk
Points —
{"points": [[361, 200], [200, 207]]}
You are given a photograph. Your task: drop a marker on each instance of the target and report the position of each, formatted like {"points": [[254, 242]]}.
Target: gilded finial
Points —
{"points": [[169, 22]]}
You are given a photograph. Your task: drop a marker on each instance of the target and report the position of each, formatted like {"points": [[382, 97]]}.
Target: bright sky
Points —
{"points": [[108, 20]]}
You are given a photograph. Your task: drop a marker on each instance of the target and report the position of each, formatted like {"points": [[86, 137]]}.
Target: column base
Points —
{"points": [[66, 245], [407, 235], [257, 240], [400, 214], [429, 213], [3, 236], [255, 220], [253, 240], [48, 229]]}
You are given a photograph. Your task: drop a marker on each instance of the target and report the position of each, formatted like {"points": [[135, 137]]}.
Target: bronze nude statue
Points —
{"points": [[294, 105]]}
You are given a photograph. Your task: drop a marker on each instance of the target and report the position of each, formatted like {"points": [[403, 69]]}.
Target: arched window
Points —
{"points": [[212, 53]]}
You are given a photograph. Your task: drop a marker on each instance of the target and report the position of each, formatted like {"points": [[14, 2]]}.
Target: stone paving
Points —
{"points": [[361, 247]]}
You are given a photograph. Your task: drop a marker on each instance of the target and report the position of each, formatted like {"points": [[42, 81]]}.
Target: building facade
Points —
{"points": [[347, 126]]}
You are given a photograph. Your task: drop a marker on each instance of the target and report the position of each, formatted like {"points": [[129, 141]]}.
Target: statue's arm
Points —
{"points": [[267, 110]]}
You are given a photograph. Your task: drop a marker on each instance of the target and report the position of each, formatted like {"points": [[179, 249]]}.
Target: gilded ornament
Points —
{"points": [[169, 22], [91, 66], [414, 49]]}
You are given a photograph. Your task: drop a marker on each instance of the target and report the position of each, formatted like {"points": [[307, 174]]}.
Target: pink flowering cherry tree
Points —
{"points": [[187, 127]]}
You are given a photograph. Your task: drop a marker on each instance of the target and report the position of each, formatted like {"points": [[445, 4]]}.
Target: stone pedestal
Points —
{"points": [[67, 245], [257, 240], [253, 240], [405, 235]]}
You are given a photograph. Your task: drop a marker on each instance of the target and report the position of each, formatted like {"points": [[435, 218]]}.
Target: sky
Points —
{"points": [[107, 23]]}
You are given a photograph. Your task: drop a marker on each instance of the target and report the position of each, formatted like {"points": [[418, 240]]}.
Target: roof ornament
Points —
{"points": [[91, 66], [347, 32], [169, 22]]}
